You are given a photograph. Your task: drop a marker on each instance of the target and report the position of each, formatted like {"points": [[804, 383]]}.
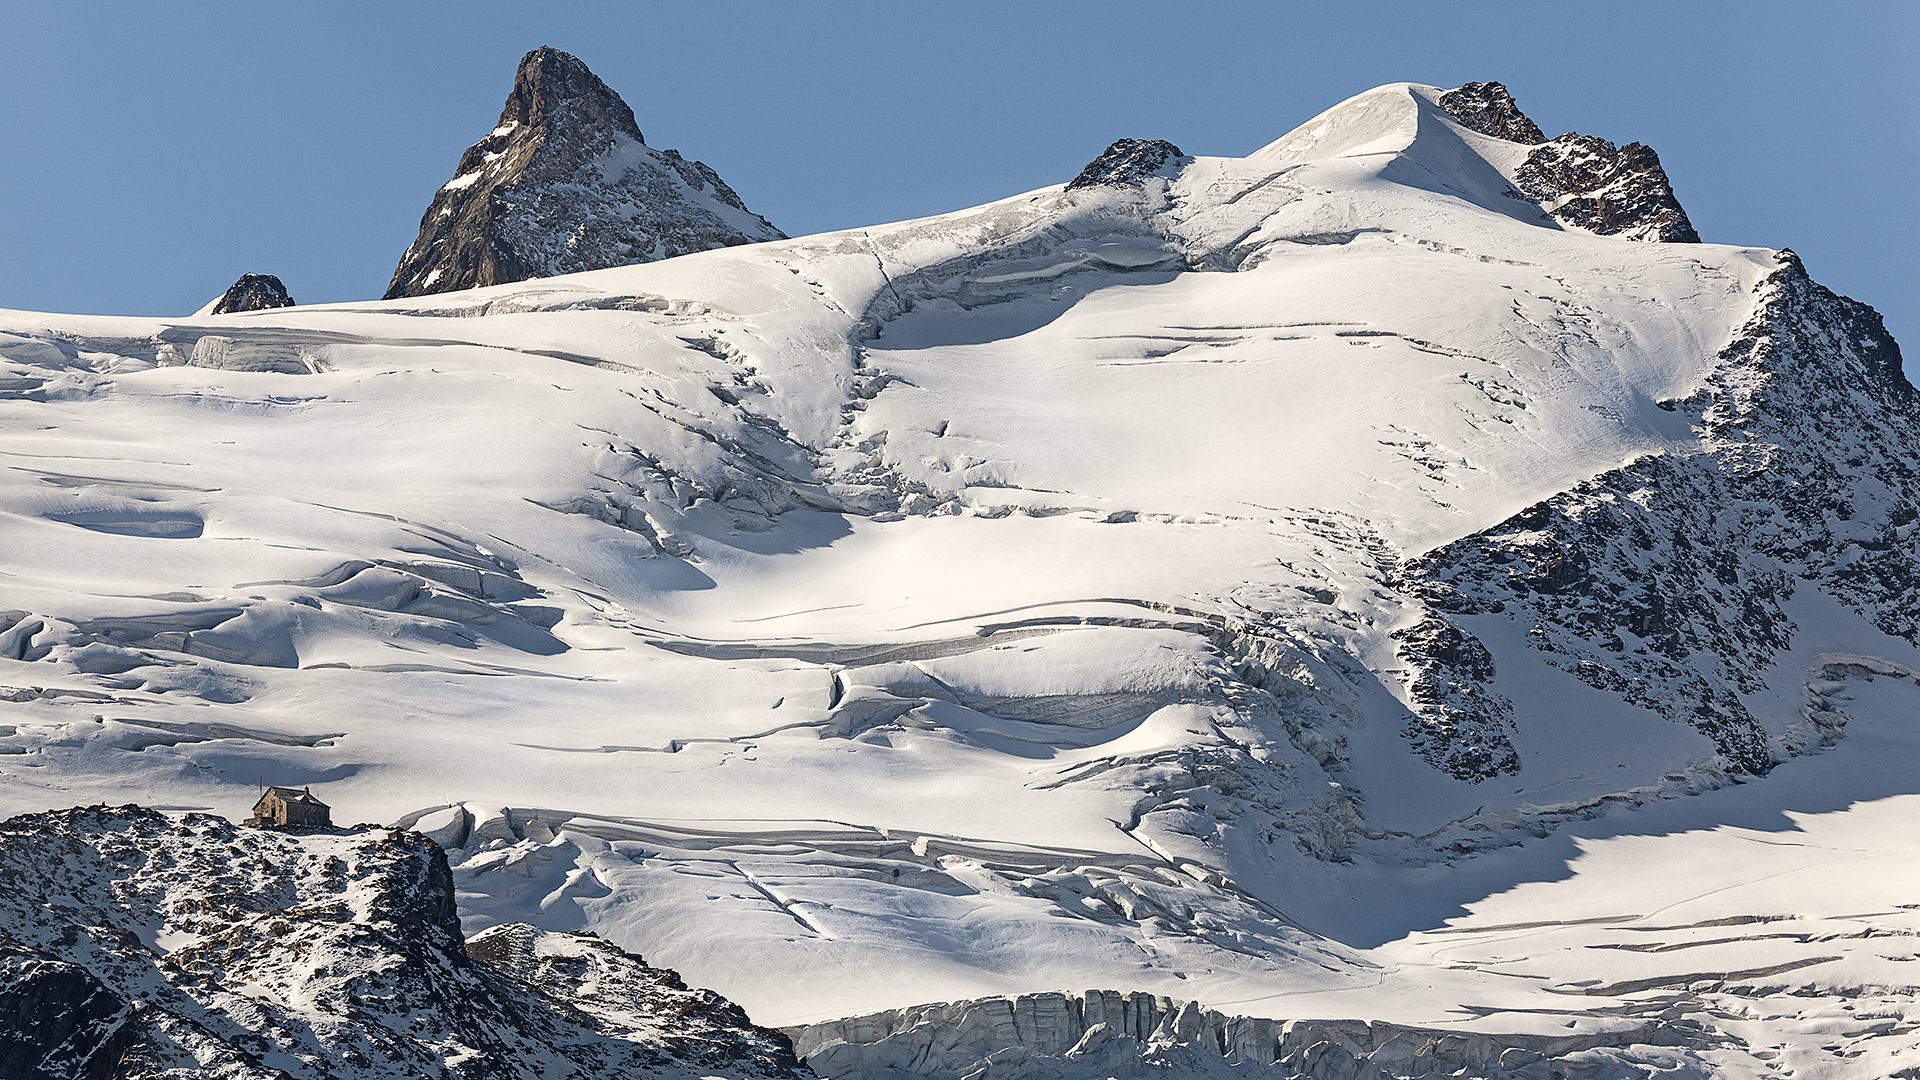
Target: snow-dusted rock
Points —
{"points": [[1130, 161], [1666, 581], [1591, 184], [566, 182], [1580, 181]]}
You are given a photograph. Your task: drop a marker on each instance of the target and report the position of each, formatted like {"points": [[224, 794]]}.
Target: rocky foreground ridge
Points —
{"points": [[134, 944], [564, 183]]}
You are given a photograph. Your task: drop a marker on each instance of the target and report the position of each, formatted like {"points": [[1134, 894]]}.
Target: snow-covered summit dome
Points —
{"points": [[1475, 142]]}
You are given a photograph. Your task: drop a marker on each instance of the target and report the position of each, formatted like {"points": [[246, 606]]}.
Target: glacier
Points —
{"points": [[1320, 585]]}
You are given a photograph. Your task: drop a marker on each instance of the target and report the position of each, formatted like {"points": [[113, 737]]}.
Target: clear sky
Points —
{"points": [[153, 153]]}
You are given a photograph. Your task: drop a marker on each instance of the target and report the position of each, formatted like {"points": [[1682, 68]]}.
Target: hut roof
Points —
{"points": [[290, 795]]}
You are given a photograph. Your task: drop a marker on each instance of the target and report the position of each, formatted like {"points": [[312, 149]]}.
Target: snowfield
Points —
{"points": [[1107, 588]]}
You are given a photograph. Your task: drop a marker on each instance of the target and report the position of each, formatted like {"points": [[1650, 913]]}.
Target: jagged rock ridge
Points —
{"points": [[1579, 180], [1488, 108], [134, 944], [564, 183], [253, 292]]}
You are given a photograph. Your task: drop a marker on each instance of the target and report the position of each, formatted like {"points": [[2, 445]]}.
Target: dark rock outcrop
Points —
{"points": [[1130, 161], [253, 292], [564, 183], [1460, 725], [1579, 180], [1487, 107], [594, 979], [133, 944]]}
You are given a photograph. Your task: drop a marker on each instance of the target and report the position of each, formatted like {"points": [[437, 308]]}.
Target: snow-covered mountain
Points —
{"points": [[1301, 584], [566, 182]]}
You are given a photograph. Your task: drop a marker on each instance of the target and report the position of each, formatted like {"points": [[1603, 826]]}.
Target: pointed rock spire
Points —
{"points": [[566, 182], [552, 87]]}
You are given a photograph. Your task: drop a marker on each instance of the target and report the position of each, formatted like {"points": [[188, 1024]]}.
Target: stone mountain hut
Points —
{"points": [[290, 806]]}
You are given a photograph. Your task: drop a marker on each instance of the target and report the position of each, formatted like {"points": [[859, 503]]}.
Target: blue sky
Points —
{"points": [[156, 152]]}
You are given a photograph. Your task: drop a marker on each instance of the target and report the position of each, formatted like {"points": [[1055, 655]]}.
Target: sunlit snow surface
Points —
{"points": [[863, 620]]}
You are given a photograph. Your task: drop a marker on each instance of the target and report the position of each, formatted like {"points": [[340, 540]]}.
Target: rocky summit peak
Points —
{"points": [[1129, 161], [553, 87], [565, 182], [1488, 108], [253, 292]]}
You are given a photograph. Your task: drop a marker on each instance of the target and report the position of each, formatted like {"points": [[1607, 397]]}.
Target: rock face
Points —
{"points": [[253, 292], [134, 944], [1130, 161], [564, 183], [1102, 1033], [1579, 180]]}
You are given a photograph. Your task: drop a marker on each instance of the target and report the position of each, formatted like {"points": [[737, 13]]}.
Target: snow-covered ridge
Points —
{"points": [[1194, 585]]}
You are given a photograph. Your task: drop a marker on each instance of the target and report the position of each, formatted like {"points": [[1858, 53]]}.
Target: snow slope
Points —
{"points": [[1188, 587]]}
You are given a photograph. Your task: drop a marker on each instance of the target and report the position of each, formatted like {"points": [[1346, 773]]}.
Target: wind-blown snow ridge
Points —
{"points": [[1205, 587]]}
